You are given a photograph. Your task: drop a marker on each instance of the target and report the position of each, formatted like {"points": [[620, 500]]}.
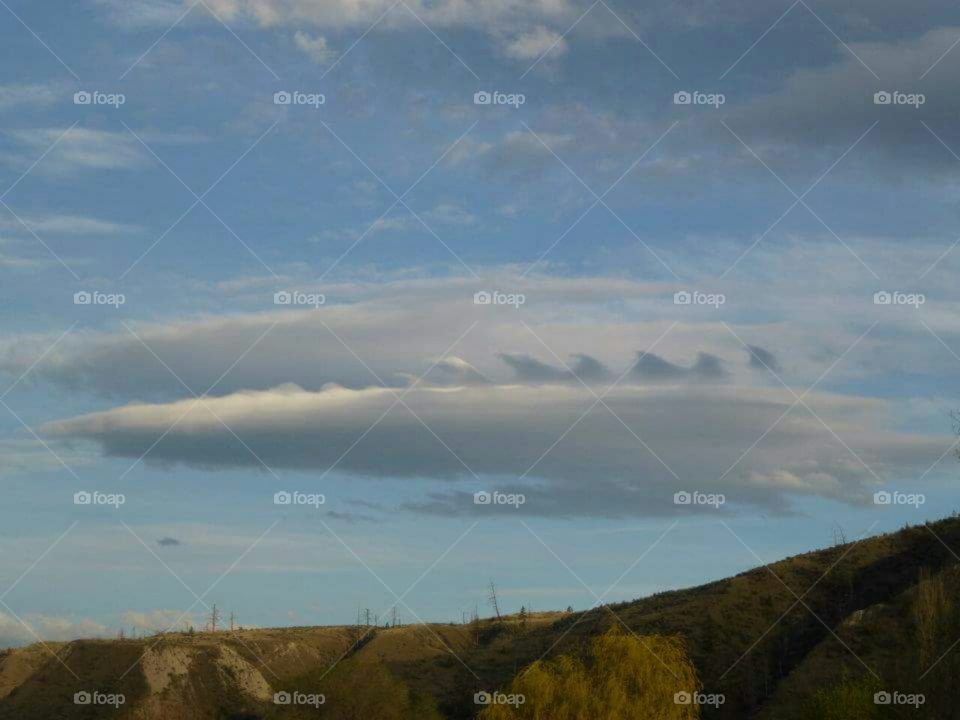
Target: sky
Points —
{"points": [[286, 284]]}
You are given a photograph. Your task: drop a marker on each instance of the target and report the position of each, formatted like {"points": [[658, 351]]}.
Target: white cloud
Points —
{"points": [[81, 149], [160, 620], [315, 48], [51, 628], [69, 225], [527, 23], [534, 43], [36, 94]]}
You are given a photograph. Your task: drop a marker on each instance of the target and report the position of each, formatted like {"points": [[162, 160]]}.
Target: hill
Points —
{"points": [[782, 641]]}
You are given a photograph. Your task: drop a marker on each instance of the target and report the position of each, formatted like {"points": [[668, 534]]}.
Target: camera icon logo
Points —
{"points": [[282, 98], [282, 698], [282, 298], [82, 698], [882, 698], [482, 498], [482, 298], [882, 98], [682, 298], [682, 98], [482, 698], [82, 498], [82, 97], [682, 498], [482, 97], [282, 498], [882, 497], [882, 298], [682, 698], [82, 298]]}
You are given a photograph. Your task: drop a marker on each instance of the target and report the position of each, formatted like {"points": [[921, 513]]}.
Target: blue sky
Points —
{"points": [[783, 199]]}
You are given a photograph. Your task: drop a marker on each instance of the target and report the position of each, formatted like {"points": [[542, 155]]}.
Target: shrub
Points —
{"points": [[624, 677]]}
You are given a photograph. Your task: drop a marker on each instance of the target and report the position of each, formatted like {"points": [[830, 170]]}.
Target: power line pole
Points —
{"points": [[214, 618]]}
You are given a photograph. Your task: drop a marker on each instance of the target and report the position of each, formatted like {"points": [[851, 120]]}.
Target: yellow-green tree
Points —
{"points": [[623, 677]]}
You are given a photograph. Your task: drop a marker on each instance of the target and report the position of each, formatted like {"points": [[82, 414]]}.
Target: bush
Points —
{"points": [[624, 677], [847, 700]]}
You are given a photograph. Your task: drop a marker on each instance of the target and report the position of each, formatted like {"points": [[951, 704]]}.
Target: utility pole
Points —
{"points": [[214, 618], [232, 617]]}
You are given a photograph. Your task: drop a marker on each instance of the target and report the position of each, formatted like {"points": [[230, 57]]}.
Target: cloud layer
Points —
{"points": [[624, 456]]}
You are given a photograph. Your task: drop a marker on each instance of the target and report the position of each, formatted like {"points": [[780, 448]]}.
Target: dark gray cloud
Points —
{"points": [[582, 368], [827, 107], [761, 359], [529, 369], [653, 368], [168, 542]]}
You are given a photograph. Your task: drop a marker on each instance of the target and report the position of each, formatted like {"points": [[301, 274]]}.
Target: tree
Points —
{"points": [[523, 617], [624, 677]]}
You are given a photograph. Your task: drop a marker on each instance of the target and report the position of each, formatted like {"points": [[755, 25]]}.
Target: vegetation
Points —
{"points": [[359, 689], [624, 677], [850, 699]]}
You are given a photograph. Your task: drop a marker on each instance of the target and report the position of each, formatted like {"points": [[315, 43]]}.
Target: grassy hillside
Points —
{"points": [[748, 637]]}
